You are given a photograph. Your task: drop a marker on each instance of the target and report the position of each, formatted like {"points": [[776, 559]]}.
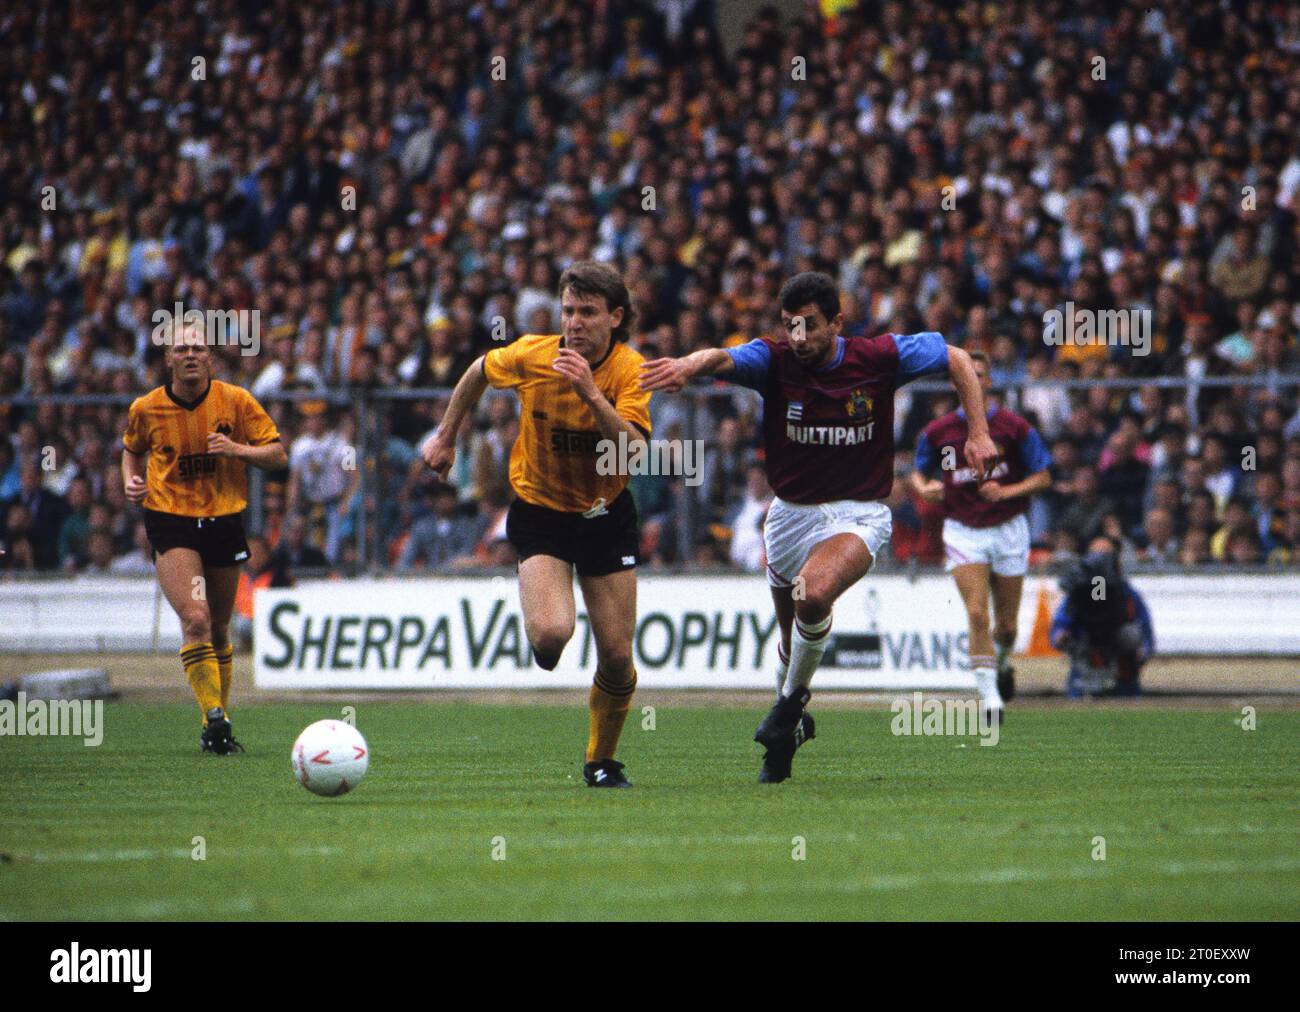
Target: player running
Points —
{"points": [[186, 450], [985, 532], [575, 390], [828, 430]]}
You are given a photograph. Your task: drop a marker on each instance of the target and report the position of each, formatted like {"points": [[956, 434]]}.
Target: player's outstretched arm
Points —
{"points": [[671, 374], [439, 450], [980, 451]]}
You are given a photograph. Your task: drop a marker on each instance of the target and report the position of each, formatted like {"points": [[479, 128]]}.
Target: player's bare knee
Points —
{"points": [[545, 661], [196, 622], [548, 643], [979, 618], [814, 608], [815, 601], [547, 651]]}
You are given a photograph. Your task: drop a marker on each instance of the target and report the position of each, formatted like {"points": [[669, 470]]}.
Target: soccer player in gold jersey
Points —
{"points": [[576, 389], [186, 450]]}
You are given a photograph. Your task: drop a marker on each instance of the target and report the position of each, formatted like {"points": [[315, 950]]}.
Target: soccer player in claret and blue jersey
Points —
{"points": [[985, 533], [828, 432]]}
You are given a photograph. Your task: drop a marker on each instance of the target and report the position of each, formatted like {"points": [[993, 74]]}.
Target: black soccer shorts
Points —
{"points": [[218, 540], [595, 546]]}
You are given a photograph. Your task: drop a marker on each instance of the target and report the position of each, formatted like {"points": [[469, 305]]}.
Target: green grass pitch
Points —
{"points": [[1199, 819]]}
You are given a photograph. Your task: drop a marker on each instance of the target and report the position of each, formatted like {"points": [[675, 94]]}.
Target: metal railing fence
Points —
{"points": [[372, 413]]}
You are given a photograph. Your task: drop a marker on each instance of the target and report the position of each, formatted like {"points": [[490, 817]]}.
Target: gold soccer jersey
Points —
{"points": [[183, 478], [553, 462]]}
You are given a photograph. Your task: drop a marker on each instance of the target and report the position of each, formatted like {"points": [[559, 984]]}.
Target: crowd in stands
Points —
{"points": [[395, 189]]}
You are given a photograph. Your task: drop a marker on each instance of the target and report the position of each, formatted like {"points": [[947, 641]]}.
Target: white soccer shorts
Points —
{"points": [[1004, 547], [792, 531]]}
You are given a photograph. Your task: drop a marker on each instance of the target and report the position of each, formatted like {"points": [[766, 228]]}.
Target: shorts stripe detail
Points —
{"points": [[954, 554], [783, 581]]}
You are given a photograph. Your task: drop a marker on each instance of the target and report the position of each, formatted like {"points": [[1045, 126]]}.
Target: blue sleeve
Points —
{"points": [[1033, 453], [925, 458], [919, 354], [752, 363]]}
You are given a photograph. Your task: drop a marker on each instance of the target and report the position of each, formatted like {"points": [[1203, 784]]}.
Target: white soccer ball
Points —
{"points": [[330, 757]]}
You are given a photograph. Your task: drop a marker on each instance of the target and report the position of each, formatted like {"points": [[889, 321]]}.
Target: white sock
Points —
{"points": [[782, 666], [1002, 654], [807, 646], [986, 682]]}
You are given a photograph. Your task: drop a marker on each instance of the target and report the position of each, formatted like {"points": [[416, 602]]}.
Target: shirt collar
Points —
{"points": [[839, 355], [187, 405]]}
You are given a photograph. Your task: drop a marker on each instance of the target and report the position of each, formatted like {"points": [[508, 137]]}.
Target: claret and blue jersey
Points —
{"points": [[828, 433], [1021, 453]]}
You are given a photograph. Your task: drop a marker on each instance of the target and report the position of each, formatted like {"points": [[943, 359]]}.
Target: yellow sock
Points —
{"points": [[608, 704], [225, 665], [200, 662]]}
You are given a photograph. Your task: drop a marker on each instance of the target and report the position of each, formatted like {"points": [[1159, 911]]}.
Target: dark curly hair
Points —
{"points": [[811, 286]]}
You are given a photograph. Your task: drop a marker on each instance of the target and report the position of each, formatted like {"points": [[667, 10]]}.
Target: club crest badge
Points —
{"points": [[858, 405]]}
